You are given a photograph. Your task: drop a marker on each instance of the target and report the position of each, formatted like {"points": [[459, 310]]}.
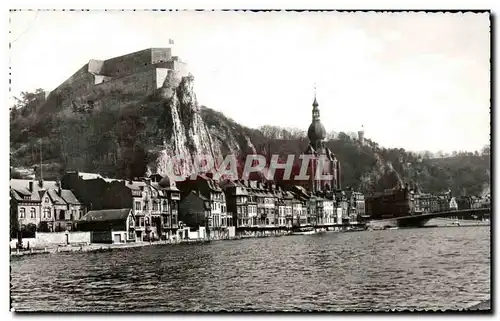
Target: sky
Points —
{"points": [[419, 81]]}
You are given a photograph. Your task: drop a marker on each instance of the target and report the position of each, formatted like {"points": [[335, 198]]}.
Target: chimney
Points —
{"points": [[30, 188], [58, 184], [130, 181]]}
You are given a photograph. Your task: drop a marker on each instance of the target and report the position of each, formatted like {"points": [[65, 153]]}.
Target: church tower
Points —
{"points": [[322, 156]]}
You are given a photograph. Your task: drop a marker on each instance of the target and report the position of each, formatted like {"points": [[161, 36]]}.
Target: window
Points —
{"points": [[73, 215], [62, 215], [141, 221], [137, 206], [22, 212], [165, 206], [46, 200], [155, 206], [46, 213], [32, 212]]}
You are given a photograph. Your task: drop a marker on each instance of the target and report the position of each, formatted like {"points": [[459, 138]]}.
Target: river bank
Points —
{"points": [[98, 247]]}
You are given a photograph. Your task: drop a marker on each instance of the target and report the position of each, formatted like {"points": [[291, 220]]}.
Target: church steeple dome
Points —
{"points": [[316, 131]]}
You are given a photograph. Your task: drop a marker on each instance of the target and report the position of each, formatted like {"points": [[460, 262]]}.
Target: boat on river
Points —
{"points": [[304, 231]]}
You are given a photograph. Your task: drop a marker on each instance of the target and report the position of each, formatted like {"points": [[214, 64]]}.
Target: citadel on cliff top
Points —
{"points": [[139, 73]]}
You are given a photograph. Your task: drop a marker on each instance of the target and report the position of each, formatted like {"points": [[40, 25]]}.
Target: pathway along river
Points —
{"points": [[428, 268]]}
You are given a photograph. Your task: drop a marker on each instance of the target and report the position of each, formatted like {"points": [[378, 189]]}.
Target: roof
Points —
{"points": [[199, 195], [236, 188], [160, 189], [21, 188], [23, 184], [69, 197], [316, 131], [86, 176], [135, 185], [106, 215], [213, 185], [55, 197]]}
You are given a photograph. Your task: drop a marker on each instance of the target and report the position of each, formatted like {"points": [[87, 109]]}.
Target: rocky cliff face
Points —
{"points": [[189, 137]]}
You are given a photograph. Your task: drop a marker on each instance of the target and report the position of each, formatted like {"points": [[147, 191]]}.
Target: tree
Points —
{"points": [[486, 150], [344, 137], [14, 113], [29, 101]]}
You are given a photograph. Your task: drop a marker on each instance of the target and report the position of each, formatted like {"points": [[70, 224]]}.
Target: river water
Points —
{"points": [[427, 268]]}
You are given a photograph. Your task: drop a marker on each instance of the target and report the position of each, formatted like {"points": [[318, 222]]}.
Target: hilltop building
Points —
{"points": [[139, 73]]}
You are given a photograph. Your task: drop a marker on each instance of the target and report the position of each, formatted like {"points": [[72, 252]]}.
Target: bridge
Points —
{"points": [[421, 219]]}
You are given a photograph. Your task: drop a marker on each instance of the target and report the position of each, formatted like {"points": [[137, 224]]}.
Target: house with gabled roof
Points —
{"points": [[237, 202], [42, 206]]}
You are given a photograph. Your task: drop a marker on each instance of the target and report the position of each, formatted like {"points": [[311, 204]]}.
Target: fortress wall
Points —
{"points": [[159, 55], [96, 66], [139, 83], [99, 79], [128, 64], [78, 84], [138, 73], [180, 67], [161, 75]]}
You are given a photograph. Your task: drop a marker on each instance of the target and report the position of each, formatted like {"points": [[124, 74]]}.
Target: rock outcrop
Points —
{"points": [[189, 137]]}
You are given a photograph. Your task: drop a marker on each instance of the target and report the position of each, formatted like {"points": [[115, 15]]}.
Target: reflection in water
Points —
{"points": [[439, 268]]}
